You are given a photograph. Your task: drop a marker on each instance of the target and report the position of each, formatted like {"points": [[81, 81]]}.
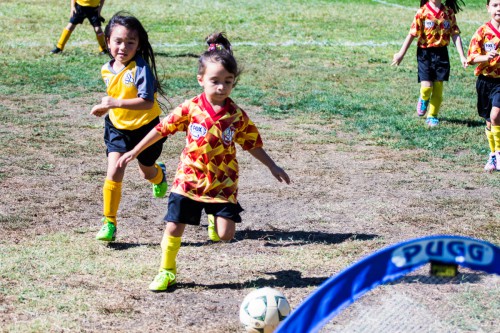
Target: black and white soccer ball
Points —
{"points": [[263, 309]]}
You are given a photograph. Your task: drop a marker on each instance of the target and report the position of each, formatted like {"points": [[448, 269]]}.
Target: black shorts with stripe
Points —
{"points": [[433, 64], [182, 209], [488, 95], [81, 13], [122, 141]]}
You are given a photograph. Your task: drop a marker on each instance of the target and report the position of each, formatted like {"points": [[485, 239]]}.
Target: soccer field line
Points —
{"points": [[287, 43]]}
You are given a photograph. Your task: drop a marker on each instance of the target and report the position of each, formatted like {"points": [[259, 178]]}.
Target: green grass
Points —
{"points": [[311, 61], [356, 83]]}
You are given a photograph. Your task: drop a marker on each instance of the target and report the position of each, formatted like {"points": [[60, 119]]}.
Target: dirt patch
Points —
{"points": [[348, 198]]}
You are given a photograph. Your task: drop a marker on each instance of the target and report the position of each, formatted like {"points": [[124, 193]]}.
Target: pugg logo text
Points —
{"points": [[445, 250]]}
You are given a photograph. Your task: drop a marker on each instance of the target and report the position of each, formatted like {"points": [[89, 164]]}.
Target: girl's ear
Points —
{"points": [[200, 79]]}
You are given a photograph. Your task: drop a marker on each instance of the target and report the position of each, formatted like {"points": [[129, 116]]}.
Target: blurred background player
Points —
{"points": [[80, 10], [483, 51], [434, 25]]}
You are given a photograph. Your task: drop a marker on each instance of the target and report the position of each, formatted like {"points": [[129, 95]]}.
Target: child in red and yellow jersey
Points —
{"points": [[132, 110], [81, 10], [434, 25], [207, 175], [483, 51]]}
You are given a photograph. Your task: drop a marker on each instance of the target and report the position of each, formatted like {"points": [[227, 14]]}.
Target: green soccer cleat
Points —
{"points": [[107, 232], [212, 234], [159, 190], [162, 281]]}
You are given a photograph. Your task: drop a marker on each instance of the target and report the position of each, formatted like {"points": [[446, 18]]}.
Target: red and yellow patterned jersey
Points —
{"points": [[485, 39], [434, 29], [208, 168], [134, 80], [88, 3]]}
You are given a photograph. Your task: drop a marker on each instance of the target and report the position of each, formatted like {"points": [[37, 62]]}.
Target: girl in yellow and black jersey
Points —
{"points": [[434, 26], [131, 110]]}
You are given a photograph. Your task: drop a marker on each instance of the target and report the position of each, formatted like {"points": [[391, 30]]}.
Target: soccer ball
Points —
{"points": [[263, 309]]}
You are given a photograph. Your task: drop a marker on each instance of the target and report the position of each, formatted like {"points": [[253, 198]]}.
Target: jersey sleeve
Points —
{"points": [[248, 136], [177, 120], [475, 46], [416, 25], [145, 81]]}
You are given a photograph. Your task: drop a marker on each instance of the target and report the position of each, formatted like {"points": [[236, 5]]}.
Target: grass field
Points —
{"points": [[317, 80]]}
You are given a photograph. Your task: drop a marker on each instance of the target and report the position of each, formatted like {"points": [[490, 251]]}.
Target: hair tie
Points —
{"points": [[215, 47]]}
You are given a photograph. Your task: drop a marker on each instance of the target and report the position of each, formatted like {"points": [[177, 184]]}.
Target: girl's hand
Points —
{"points": [[396, 60], [280, 174], [125, 159], [492, 54], [464, 62], [99, 110]]}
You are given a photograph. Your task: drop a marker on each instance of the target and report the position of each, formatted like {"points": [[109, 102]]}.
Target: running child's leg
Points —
{"points": [[156, 175], [425, 96], [170, 245], [101, 39], [495, 133], [63, 39], [111, 195], [225, 228]]}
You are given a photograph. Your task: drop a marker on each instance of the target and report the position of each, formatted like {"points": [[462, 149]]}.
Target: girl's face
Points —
{"points": [[217, 83], [494, 9], [123, 44]]}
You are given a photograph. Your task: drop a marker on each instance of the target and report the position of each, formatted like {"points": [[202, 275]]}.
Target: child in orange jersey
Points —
{"points": [[81, 10], [434, 25], [483, 51], [207, 176]]}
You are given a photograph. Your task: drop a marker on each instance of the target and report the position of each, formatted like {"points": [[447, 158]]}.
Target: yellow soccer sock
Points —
{"points": [[111, 196], [159, 175], [102, 42], [436, 99], [491, 140], [63, 39], [170, 246], [425, 93], [495, 132]]}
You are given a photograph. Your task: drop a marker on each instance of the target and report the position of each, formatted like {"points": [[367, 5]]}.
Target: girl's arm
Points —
{"points": [[107, 103], [458, 44], [398, 57], [260, 154], [485, 58], [147, 141]]}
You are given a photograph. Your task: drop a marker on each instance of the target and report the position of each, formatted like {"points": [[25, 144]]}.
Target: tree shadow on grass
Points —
{"points": [[278, 238], [466, 122], [282, 279]]}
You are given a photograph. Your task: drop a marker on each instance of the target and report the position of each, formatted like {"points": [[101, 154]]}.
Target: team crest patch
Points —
{"points": [[488, 47], [446, 24], [429, 24], [128, 78], [197, 131], [227, 135]]}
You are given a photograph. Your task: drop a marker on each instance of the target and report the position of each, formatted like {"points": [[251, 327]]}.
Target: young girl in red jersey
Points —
{"points": [[434, 25], [483, 51], [207, 175], [131, 109]]}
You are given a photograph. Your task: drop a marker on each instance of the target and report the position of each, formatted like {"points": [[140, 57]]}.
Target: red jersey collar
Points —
{"points": [[436, 14], [493, 29], [207, 106]]}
